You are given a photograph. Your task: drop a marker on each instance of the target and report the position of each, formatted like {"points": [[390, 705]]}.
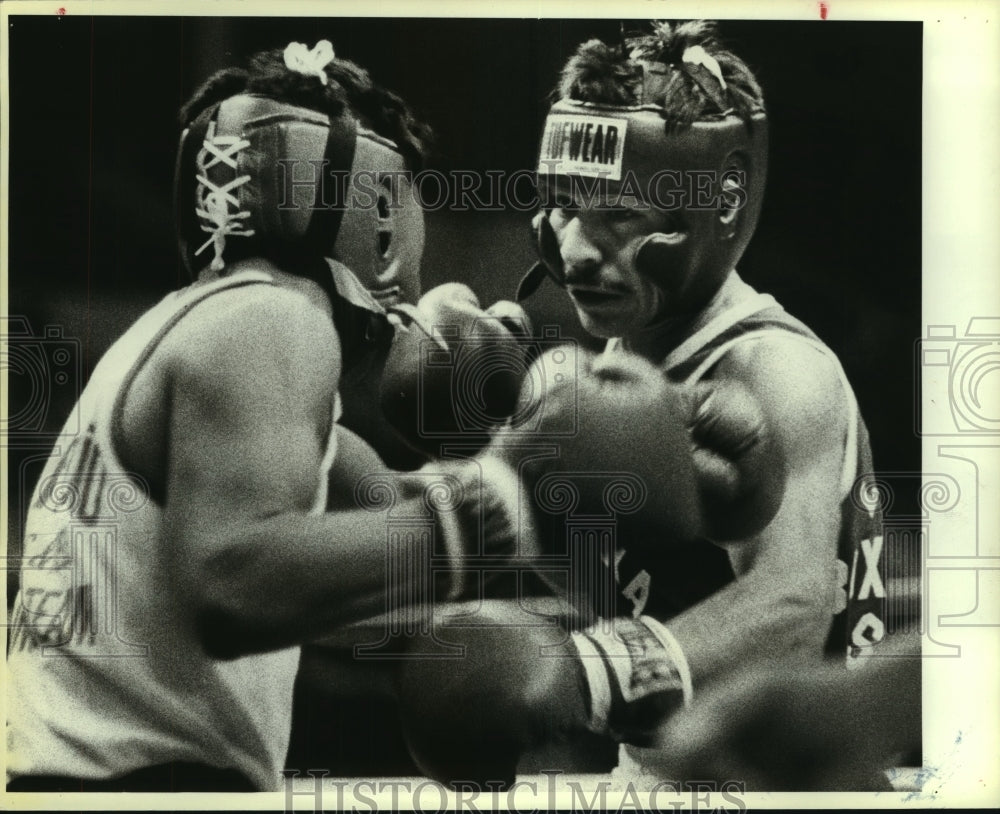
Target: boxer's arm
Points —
{"points": [[782, 599], [250, 413], [793, 726], [623, 681]]}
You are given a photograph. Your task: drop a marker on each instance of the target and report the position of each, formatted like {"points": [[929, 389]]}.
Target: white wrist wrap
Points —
{"points": [[634, 670], [673, 648]]}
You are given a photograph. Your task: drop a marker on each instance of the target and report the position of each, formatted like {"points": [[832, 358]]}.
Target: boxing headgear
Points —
{"points": [[710, 174], [260, 177]]}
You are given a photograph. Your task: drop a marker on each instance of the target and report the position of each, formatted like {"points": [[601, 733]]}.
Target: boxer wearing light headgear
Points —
{"points": [[300, 170], [651, 173], [301, 177], [189, 528]]}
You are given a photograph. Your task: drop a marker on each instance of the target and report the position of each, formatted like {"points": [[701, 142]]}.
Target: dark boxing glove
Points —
{"points": [[514, 686], [621, 444], [741, 469], [521, 683], [695, 462], [454, 371]]}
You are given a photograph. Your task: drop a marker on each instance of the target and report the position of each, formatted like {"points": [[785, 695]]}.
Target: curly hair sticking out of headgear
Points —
{"points": [[681, 68], [349, 85]]}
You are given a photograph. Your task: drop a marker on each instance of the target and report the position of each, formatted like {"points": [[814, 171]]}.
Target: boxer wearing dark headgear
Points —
{"points": [[655, 271], [194, 507], [651, 173]]}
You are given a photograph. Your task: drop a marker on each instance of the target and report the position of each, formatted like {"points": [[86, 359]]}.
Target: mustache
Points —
{"points": [[587, 275]]}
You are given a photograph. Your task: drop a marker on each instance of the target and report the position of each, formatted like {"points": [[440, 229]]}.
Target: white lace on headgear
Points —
{"points": [[214, 201], [300, 59], [696, 55]]}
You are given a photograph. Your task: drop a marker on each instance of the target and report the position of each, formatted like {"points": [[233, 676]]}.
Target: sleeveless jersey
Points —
{"points": [[105, 673], [662, 586], [680, 576]]}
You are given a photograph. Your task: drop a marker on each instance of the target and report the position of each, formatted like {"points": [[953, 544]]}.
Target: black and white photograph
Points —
{"points": [[560, 407]]}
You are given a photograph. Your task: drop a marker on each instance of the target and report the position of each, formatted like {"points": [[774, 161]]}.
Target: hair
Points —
{"points": [[614, 75], [348, 86]]}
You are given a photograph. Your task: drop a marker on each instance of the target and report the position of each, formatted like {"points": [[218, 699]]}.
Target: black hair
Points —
{"points": [[348, 86], [604, 74]]}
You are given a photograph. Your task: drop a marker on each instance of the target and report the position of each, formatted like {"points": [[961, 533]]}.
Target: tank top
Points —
{"points": [[691, 573], [683, 575], [105, 673]]}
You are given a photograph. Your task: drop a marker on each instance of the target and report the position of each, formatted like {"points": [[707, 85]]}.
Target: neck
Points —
{"points": [[654, 341]]}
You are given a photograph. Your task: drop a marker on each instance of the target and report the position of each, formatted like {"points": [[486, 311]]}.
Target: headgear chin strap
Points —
{"points": [[550, 262], [648, 256]]}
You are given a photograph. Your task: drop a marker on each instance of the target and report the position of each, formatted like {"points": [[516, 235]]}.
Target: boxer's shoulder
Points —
{"points": [[797, 384], [248, 326]]}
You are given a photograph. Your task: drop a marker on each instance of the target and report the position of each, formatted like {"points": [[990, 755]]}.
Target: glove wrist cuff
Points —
{"points": [[636, 674]]}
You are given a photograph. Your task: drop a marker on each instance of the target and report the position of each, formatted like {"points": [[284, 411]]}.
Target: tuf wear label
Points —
{"points": [[582, 145]]}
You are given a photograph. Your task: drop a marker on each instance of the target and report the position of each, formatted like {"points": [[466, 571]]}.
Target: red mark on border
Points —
{"points": [[823, 9], [60, 10]]}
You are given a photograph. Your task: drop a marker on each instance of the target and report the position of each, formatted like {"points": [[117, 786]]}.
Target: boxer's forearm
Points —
{"points": [[292, 578], [750, 619], [785, 592]]}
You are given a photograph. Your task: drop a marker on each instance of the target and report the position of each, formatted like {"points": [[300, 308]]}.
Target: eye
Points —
{"points": [[623, 215], [566, 204], [671, 224]]}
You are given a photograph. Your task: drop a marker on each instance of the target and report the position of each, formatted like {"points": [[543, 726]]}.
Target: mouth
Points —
{"points": [[596, 298]]}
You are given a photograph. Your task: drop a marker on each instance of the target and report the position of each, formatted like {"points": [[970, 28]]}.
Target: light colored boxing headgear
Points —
{"points": [[257, 176], [711, 173]]}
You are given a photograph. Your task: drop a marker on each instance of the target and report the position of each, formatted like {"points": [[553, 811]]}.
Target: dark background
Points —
{"points": [[93, 133]]}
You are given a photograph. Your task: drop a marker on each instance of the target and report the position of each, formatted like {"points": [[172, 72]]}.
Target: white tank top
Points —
{"points": [[105, 674]]}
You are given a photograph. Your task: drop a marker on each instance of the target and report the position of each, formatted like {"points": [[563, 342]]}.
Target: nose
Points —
{"points": [[580, 253]]}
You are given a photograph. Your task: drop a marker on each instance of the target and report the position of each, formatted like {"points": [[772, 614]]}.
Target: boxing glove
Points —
{"points": [[483, 529], [515, 685], [740, 468], [454, 371], [620, 440], [690, 462], [521, 683]]}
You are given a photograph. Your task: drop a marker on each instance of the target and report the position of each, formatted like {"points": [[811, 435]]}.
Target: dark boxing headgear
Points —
{"points": [[260, 176], [665, 127]]}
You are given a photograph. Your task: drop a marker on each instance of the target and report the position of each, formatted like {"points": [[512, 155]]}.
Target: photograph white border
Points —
{"points": [[961, 282]]}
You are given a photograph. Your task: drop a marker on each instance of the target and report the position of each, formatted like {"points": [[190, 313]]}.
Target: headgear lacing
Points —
{"points": [[214, 201]]}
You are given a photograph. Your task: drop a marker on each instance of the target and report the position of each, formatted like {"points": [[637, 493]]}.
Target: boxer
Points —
{"points": [[194, 504], [651, 175]]}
